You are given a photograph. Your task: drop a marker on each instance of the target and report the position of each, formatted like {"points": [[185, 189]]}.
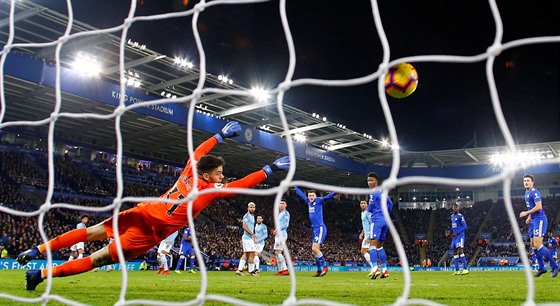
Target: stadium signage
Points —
{"points": [[11, 264]]}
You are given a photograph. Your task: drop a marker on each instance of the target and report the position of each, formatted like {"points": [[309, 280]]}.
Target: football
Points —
{"points": [[401, 80]]}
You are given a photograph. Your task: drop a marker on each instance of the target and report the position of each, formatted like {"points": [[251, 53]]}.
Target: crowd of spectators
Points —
{"points": [[87, 183]]}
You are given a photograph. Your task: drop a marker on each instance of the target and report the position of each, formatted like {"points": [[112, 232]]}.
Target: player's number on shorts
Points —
{"points": [[174, 206]]}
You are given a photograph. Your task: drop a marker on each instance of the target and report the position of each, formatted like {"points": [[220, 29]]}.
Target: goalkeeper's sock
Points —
{"points": [[68, 268], [382, 257], [65, 240]]}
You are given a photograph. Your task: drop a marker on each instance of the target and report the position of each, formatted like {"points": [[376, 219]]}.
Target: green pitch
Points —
{"points": [[477, 288]]}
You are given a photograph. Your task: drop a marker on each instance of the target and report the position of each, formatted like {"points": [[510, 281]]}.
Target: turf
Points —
{"points": [[477, 288]]}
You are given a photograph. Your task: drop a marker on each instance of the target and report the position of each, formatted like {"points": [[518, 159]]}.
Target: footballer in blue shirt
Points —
{"points": [[378, 227], [185, 250], [458, 228], [538, 225], [553, 246], [315, 205]]}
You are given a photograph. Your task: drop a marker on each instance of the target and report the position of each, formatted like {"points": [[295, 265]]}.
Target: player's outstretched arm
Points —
{"points": [[256, 177], [329, 196], [231, 129], [300, 193]]}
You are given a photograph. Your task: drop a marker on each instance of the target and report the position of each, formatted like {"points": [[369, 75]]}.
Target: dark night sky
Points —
{"points": [[338, 40]]}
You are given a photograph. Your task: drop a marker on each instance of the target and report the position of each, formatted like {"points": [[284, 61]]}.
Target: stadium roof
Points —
{"points": [[151, 137]]}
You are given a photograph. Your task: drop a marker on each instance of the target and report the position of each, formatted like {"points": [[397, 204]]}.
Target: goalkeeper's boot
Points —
{"points": [[540, 272], [32, 279], [554, 273], [24, 257], [465, 272]]}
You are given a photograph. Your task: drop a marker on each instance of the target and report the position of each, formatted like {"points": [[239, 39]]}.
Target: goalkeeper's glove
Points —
{"points": [[231, 129], [282, 163]]}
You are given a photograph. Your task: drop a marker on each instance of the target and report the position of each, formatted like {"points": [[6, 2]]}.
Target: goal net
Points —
{"points": [[17, 41]]}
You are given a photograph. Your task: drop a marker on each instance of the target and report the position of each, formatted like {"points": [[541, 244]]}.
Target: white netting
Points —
{"points": [[504, 177]]}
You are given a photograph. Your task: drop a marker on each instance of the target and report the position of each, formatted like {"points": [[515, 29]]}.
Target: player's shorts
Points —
{"points": [[77, 246], [458, 242], [136, 236], [259, 247], [248, 245], [319, 235], [378, 230], [186, 249], [278, 243], [538, 227], [365, 243], [164, 247]]}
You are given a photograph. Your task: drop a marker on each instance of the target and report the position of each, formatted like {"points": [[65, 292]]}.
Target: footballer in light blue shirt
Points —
{"points": [[315, 205], [249, 241], [281, 235], [378, 227], [262, 233], [365, 216], [538, 224]]}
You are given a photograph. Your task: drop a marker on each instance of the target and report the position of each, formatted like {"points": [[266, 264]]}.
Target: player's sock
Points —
{"points": [[241, 265], [70, 258], [165, 265], [368, 259], [65, 240], [319, 260], [257, 262], [68, 268], [80, 256], [546, 254], [281, 262], [180, 262], [539, 259], [251, 267], [191, 263], [373, 256], [456, 262], [463, 260], [382, 257]]}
